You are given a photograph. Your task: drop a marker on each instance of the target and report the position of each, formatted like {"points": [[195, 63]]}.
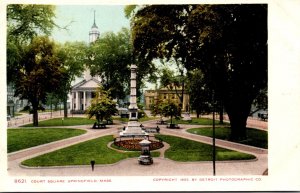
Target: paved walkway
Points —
{"points": [[130, 167]]}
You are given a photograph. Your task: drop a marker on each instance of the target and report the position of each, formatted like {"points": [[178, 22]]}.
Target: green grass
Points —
{"points": [[18, 139], [18, 114], [70, 121], [82, 154], [96, 149], [198, 121], [187, 150], [255, 137]]}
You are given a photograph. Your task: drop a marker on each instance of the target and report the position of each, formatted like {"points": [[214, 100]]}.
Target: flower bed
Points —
{"points": [[133, 144]]}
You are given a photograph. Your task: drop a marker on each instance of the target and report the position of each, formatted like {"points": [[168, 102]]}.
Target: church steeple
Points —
{"points": [[94, 25], [94, 33]]}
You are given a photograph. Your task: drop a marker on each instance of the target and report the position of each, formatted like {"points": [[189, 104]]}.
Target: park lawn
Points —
{"points": [[17, 114], [187, 150], [198, 121], [82, 154], [70, 121], [255, 137], [18, 139]]}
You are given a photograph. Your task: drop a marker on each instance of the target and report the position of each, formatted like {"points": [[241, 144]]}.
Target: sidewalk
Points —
{"points": [[130, 167]]}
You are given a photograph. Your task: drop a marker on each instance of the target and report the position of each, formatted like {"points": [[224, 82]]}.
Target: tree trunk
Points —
{"points": [[221, 113], [238, 112], [65, 108], [35, 117], [198, 114], [238, 124]]}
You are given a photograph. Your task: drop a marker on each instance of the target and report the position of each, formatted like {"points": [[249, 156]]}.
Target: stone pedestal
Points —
{"points": [[133, 129]]}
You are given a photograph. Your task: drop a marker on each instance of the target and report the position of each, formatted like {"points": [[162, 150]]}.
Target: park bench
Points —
{"points": [[161, 122], [173, 126], [151, 129], [99, 125]]}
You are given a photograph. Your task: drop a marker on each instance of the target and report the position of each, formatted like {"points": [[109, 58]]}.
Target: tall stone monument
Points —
{"points": [[133, 128]]}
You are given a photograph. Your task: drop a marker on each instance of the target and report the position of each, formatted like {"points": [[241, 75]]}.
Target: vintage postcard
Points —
{"points": [[150, 96]]}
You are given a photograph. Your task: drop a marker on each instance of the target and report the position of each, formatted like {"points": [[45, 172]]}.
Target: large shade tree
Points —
{"points": [[39, 73], [110, 58], [72, 56], [24, 22], [227, 42], [200, 95]]}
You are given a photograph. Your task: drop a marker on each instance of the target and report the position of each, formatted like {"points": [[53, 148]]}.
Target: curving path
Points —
{"points": [[130, 167]]}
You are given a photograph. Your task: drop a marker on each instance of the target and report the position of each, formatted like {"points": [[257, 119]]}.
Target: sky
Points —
{"points": [[109, 18], [81, 18]]}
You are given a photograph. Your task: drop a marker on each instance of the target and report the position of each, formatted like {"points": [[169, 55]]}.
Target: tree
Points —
{"points": [[102, 106], [170, 109], [200, 95], [72, 56], [227, 42], [24, 22], [157, 108], [110, 57], [39, 73], [173, 82]]}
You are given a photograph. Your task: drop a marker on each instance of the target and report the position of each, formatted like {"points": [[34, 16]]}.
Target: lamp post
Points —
{"points": [[213, 109], [214, 135]]}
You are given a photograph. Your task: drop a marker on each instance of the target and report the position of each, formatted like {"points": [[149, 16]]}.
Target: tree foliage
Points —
{"points": [[171, 109], [102, 106], [173, 82], [24, 22], [156, 108], [110, 58], [227, 42], [72, 56], [200, 95], [165, 108], [39, 72]]}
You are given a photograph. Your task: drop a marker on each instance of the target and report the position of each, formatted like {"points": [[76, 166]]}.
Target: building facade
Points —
{"points": [[164, 94], [14, 104], [82, 94]]}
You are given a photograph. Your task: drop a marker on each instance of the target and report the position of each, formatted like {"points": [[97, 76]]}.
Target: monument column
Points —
{"points": [[133, 128], [133, 109]]}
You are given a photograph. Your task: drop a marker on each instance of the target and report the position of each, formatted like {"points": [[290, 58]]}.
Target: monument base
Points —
{"points": [[145, 160], [133, 129]]}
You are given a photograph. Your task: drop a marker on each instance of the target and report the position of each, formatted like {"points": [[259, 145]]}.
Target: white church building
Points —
{"points": [[83, 89]]}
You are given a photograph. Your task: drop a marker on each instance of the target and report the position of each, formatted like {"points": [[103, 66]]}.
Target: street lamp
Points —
{"points": [[214, 135]]}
